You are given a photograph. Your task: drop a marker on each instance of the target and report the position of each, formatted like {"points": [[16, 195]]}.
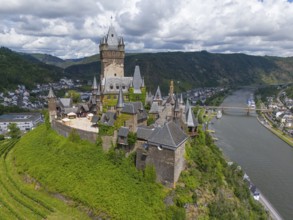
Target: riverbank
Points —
{"points": [[268, 206], [275, 131]]}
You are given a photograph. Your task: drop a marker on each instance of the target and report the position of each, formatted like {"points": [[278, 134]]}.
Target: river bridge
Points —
{"points": [[246, 109]]}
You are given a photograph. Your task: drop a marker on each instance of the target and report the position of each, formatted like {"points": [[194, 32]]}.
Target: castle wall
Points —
{"points": [[168, 163], [179, 161], [65, 130]]}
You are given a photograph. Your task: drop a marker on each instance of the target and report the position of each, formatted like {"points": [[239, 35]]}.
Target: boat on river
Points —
{"points": [[219, 114]]}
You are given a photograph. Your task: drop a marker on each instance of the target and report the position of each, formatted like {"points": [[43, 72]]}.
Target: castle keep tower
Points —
{"points": [[112, 55]]}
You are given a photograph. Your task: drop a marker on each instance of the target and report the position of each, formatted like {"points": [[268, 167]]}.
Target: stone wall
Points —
{"points": [[179, 161], [168, 163], [108, 141], [65, 130]]}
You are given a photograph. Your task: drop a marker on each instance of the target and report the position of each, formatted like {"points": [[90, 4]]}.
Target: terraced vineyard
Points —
{"points": [[22, 201]]}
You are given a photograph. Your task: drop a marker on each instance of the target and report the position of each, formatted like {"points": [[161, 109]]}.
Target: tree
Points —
{"points": [[74, 95], [131, 138], [14, 131]]}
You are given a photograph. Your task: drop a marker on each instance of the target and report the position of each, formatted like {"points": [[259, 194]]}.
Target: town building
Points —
{"points": [[24, 121]]}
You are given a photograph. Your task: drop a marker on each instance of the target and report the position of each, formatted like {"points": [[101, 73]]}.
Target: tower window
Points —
{"points": [[111, 87], [117, 87], [112, 35], [115, 74]]}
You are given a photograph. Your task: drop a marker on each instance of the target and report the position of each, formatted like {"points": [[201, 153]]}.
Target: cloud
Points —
{"points": [[71, 30]]}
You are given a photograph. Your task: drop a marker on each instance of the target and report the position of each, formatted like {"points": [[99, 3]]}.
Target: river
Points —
{"points": [[264, 157]]}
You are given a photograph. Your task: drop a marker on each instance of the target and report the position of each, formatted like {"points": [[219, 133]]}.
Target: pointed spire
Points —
{"points": [[158, 95], [190, 118], [99, 90], [176, 107], [181, 102], [137, 80], [121, 41], [187, 105], [120, 101], [112, 38], [51, 93], [94, 86]]}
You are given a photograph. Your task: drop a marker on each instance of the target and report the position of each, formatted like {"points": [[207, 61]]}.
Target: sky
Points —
{"points": [[73, 28]]}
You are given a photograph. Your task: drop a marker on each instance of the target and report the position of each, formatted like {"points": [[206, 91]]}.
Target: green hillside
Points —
{"points": [[191, 69], [21, 69], [108, 186]]}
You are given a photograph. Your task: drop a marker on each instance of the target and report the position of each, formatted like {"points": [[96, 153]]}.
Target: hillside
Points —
{"points": [[191, 69], [22, 69], [111, 187]]}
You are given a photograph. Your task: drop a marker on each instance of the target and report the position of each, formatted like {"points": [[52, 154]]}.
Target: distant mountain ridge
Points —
{"points": [[194, 69], [187, 69]]}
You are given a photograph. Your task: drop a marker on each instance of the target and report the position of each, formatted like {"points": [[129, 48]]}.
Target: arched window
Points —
{"points": [[111, 87]]}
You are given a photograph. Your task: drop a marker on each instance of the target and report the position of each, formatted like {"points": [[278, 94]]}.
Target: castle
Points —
{"points": [[118, 101]]}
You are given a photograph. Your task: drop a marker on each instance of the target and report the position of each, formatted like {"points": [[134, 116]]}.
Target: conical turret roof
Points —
{"points": [[187, 105], [51, 93], [176, 106], [94, 86], [158, 95], [112, 37], [181, 99], [120, 101]]}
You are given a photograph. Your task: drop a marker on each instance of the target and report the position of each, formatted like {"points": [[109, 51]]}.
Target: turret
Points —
{"points": [[121, 44], [52, 106], [120, 101], [176, 108]]}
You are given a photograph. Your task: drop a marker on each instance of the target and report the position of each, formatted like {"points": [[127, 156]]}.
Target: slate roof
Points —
{"points": [[112, 38], [144, 132], [187, 105], [85, 107], [154, 108], [65, 102], [70, 109], [176, 106], [95, 119], [169, 136], [112, 84], [95, 86], [137, 80], [120, 101], [123, 131], [51, 93], [191, 120], [181, 99], [132, 107], [108, 118], [135, 108], [158, 95]]}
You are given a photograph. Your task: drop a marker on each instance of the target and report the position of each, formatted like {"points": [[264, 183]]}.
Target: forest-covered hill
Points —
{"points": [[18, 68], [187, 69], [192, 69]]}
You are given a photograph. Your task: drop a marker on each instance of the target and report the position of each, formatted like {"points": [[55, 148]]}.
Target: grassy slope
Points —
{"points": [[22, 201], [111, 186], [83, 172]]}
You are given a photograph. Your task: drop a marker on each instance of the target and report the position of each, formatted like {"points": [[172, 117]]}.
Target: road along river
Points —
{"points": [[266, 159]]}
